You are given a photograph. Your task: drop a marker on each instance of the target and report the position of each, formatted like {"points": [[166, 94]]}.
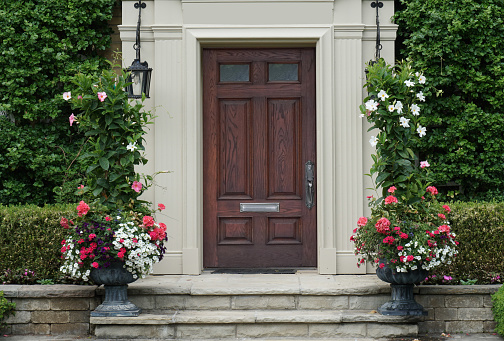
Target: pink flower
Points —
{"points": [[382, 225], [82, 209], [161, 207], [424, 164], [447, 208], [80, 187], [442, 216], [390, 200], [91, 236], [432, 190], [64, 222], [71, 119], [403, 236], [382, 265], [148, 221], [447, 278], [444, 228], [392, 189], [389, 240], [134, 240], [94, 265], [397, 228], [362, 221], [79, 97], [102, 96], [67, 95], [107, 218], [136, 186], [410, 258], [162, 225], [400, 247]]}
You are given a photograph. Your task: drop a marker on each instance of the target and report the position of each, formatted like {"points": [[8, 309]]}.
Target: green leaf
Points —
{"points": [[104, 163]]}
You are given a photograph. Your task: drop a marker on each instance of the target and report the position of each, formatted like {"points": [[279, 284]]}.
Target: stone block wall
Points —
{"points": [[457, 309], [50, 309]]}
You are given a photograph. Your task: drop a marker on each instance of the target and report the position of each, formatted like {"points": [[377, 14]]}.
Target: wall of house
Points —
{"points": [[173, 32]]}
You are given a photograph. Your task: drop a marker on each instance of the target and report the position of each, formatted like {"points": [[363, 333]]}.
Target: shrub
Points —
{"points": [[6, 309], [498, 310], [479, 227], [44, 43], [458, 44], [30, 237]]}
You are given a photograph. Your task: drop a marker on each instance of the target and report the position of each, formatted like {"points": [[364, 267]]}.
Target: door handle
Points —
{"points": [[309, 183]]}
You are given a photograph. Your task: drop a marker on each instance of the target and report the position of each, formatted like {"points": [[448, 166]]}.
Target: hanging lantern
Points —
{"points": [[140, 73]]}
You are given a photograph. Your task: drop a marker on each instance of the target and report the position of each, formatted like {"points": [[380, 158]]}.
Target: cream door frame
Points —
{"points": [[197, 37]]}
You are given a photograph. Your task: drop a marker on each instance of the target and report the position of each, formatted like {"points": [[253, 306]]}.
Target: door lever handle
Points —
{"points": [[309, 183]]}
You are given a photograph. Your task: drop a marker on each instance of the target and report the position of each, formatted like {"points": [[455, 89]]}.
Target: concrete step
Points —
{"points": [[253, 324]]}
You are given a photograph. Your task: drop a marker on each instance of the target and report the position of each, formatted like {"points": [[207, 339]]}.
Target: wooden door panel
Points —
{"points": [[283, 147], [235, 173], [258, 134]]}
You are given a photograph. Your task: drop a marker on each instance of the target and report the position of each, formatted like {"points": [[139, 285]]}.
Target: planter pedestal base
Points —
{"points": [[116, 303], [403, 302]]}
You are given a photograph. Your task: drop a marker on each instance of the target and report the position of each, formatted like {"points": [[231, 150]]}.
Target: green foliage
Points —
{"points": [[6, 309], [31, 240], [458, 44], [115, 127], [392, 109], [479, 227], [42, 44], [34, 163], [498, 310]]}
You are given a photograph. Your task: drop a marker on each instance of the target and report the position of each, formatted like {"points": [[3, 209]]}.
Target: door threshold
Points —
{"points": [[255, 271]]}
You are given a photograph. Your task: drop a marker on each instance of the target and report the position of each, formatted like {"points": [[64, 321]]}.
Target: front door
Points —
{"points": [[259, 158]]}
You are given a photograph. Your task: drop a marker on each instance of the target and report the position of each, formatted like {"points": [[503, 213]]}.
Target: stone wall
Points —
{"points": [[456, 309], [50, 309]]}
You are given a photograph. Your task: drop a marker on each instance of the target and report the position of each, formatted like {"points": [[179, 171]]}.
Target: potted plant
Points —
{"points": [[408, 232], [113, 239]]}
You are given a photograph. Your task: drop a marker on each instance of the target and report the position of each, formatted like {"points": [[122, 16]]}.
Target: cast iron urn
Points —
{"points": [[115, 279], [401, 283]]}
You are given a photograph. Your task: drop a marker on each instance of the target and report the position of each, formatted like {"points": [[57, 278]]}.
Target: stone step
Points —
{"points": [[254, 324]]}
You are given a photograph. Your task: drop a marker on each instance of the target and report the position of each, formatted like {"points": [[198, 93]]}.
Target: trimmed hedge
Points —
{"points": [[479, 227], [458, 46], [30, 242]]}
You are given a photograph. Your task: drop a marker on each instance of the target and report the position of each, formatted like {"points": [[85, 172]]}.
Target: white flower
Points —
{"points": [[420, 96], [361, 116], [131, 147], [415, 110], [409, 83], [391, 108], [421, 131], [67, 95], [373, 141], [398, 107], [421, 79], [404, 122], [382, 95], [371, 105]]}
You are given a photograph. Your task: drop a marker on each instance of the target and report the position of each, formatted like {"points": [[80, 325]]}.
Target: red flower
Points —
{"points": [[382, 225], [382, 265], [447, 208], [161, 207], [107, 218], [64, 222], [80, 241], [362, 221], [390, 200], [400, 247], [82, 209], [410, 258], [389, 240], [442, 216], [148, 221], [95, 265], [432, 190], [392, 189], [403, 236], [91, 236], [444, 228]]}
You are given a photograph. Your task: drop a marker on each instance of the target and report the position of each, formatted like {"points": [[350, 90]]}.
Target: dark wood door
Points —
{"points": [[259, 133]]}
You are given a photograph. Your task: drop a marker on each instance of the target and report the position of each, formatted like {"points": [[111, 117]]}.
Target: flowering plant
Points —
{"points": [[116, 226], [96, 240], [408, 227]]}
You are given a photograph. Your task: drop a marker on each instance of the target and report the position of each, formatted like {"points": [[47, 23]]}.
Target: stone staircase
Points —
{"points": [[301, 306]]}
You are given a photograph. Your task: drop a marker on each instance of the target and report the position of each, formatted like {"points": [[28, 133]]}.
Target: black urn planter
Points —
{"points": [[401, 283], [115, 280]]}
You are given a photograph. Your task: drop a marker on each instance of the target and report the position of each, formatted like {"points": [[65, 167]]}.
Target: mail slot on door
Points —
{"points": [[260, 207]]}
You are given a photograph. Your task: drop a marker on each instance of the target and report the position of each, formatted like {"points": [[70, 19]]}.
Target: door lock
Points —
{"points": [[309, 183]]}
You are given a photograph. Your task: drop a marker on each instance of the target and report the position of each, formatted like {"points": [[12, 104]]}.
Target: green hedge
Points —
{"points": [[42, 44], [30, 242], [479, 227], [458, 45]]}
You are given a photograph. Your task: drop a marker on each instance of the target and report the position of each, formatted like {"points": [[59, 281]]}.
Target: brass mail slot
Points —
{"points": [[260, 207]]}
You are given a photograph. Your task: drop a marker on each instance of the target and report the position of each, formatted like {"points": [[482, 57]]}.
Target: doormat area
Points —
{"points": [[254, 271]]}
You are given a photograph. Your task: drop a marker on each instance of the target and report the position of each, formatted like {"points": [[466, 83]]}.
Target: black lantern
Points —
{"points": [[140, 73]]}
